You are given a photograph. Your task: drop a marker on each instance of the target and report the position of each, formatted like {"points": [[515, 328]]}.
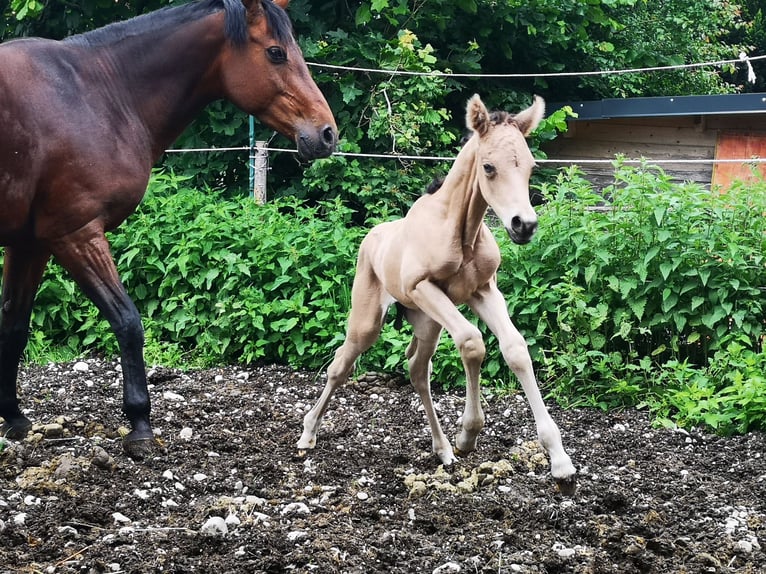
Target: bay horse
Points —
{"points": [[440, 255], [82, 122]]}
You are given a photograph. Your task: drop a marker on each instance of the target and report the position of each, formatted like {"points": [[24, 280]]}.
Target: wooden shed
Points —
{"points": [[731, 126]]}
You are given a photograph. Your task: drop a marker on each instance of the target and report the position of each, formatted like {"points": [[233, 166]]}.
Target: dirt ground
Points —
{"points": [[230, 493]]}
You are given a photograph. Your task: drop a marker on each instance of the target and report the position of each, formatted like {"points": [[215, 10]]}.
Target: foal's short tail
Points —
{"points": [[401, 311]]}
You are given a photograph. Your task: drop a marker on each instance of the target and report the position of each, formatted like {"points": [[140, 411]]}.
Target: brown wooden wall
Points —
{"points": [[660, 138]]}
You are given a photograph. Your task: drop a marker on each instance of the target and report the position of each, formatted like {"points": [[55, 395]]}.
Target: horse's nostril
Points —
{"points": [[328, 135], [516, 223]]}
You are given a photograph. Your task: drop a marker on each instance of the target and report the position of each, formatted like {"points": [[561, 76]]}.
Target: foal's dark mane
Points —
{"points": [[173, 16]]}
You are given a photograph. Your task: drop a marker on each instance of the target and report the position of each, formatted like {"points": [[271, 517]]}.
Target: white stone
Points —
{"points": [[447, 568], [186, 433], [20, 519], [199, 477], [296, 508], [296, 535], [120, 518], [232, 520], [215, 526], [171, 396], [80, 367]]}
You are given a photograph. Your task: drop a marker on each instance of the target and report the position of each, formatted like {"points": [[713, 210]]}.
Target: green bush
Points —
{"points": [[650, 294]]}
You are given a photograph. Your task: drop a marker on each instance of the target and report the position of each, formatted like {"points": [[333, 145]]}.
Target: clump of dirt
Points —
{"points": [[229, 492]]}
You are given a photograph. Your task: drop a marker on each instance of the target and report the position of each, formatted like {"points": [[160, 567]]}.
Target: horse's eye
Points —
{"points": [[489, 169], [276, 54]]}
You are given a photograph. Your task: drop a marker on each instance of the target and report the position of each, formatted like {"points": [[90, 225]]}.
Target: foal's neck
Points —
{"points": [[465, 204]]}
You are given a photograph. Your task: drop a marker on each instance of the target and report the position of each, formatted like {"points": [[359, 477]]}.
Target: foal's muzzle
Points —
{"points": [[521, 231], [316, 144]]}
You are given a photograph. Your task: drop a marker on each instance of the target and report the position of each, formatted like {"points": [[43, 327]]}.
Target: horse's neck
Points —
{"points": [[162, 75], [465, 204]]}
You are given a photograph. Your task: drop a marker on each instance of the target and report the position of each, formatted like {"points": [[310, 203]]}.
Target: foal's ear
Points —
{"points": [[530, 118], [477, 116]]}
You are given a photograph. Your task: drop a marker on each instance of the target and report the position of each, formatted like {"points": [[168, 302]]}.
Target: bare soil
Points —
{"points": [[229, 492]]}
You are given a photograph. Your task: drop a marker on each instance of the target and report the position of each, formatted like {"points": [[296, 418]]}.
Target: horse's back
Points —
{"points": [[61, 136]]}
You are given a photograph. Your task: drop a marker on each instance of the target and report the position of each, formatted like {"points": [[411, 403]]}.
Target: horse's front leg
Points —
{"points": [[22, 272], [86, 255], [435, 303], [488, 303]]}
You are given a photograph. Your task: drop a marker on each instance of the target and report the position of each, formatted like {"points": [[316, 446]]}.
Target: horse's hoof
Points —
{"points": [[141, 448], [567, 486], [17, 429]]}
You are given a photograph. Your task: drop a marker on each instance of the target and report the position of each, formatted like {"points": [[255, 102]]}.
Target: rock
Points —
{"points": [[214, 526], [296, 508], [171, 396], [186, 433], [102, 459], [120, 518], [80, 367], [447, 568]]}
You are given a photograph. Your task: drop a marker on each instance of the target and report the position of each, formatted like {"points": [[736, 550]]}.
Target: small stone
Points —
{"points": [[120, 518], [171, 396], [362, 495], [744, 546], [232, 520], [80, 367], [20, 519], [186, 433], [296, 535], [200, 477], [215, 526], [447, 568], [101, 459], [53, 430], [295, 508]]}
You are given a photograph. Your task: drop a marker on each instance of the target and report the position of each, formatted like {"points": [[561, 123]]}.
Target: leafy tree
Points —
{"points": [[388, 114]]}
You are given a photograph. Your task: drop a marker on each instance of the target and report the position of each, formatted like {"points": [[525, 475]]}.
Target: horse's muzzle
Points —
{"points": [[521, 231], [314, 145]]}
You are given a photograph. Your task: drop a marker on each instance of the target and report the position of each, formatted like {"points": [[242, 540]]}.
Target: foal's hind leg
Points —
{"points": [[368, 308], [489, 304], [424, 342], [85, 254], [22, 272]]}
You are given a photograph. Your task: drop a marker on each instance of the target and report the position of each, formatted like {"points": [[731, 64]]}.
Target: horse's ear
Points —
{"points": [[530, 118], [282, 3], [477, 116]]}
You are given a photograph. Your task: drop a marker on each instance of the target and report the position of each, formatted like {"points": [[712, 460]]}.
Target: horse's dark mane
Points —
{"points": [[435, 184], [235, 22]]}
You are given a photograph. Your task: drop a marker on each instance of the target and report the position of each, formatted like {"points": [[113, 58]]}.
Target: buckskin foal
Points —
{"points": [[442, 255]]}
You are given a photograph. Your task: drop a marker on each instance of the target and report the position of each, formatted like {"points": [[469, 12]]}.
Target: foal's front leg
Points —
{"points": [[424, 342], [435, 303], [488, 303]]}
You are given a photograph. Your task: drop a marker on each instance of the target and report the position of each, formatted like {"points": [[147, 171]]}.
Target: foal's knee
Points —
{"points": [[472, 349], [516, 353]]}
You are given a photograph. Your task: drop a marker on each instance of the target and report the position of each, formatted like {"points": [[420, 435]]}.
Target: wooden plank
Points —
{"points": [[735, 145]]}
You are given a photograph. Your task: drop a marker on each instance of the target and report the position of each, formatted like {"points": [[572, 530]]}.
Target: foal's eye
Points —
{"points": [[276, 54], [489, 169]]}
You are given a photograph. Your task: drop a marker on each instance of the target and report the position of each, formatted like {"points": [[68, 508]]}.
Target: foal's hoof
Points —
{"points": [[16, 429], [567, 486], [140, 448]]}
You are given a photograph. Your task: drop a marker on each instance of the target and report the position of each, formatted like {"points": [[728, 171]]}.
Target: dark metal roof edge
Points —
{"points": [[666, 106]]}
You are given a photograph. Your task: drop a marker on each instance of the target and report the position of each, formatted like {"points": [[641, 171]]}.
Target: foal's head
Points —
{"points": [[505, 163]]}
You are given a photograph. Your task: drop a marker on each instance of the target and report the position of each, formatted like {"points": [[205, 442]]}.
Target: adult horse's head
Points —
{"points": [[504, 163], [262, 51]]}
